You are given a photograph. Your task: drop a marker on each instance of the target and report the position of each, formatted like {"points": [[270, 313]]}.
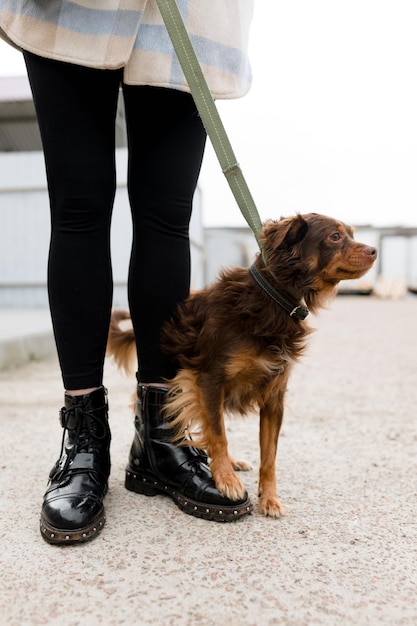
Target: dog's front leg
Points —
{"points": [[270, 423], [221, 465]]}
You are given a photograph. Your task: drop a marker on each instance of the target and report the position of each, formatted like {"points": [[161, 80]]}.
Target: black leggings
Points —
{"points": [[76, 110]]}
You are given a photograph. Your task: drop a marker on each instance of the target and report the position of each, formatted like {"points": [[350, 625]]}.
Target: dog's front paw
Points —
{"points": [[227, 483], [270, 506], [231, 488]]}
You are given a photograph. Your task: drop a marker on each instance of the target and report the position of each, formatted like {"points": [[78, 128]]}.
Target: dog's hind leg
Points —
{"points": [[240, 466]]}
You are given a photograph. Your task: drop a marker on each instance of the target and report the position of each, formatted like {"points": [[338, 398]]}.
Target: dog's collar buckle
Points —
{"points": [[299, 312]]}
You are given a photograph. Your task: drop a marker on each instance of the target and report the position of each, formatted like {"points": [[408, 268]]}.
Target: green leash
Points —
{"points": [[209, 114]]}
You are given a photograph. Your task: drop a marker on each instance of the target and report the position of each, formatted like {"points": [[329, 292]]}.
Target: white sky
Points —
{"points": [[330, 124]]}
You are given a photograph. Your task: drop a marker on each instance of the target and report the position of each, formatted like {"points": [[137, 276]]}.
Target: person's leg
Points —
{"points": [[166, 145], [76, 109]]}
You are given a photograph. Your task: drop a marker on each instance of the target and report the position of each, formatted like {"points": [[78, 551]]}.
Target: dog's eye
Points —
{"points": [[336, 236]]}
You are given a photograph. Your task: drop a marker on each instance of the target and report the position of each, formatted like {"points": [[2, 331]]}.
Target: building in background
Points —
{"points": [[25, 223]]}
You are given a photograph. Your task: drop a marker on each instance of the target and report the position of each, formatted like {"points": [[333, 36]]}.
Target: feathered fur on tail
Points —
{"points": [[121, 341]]}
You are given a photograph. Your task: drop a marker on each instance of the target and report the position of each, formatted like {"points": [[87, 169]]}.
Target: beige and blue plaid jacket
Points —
{"points": [[111, 34]]}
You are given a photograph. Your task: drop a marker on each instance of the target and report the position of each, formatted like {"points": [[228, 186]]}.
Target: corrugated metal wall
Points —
{"points": [[24, 232]]}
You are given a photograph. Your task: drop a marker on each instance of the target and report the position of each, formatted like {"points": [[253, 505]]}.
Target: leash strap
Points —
{"points": [[209, 114]]}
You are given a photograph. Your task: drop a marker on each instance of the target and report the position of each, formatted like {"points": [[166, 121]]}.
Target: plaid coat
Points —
{"points": [[111, 34]]}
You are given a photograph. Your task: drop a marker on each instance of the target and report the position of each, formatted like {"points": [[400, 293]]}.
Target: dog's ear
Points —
{"points": [[286, 232]]}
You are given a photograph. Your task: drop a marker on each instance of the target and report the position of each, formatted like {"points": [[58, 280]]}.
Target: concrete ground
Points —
{"points": [[344, 553]]}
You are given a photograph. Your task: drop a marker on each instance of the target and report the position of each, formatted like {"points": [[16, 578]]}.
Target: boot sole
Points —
{"points": [[58, 536], [149, 485]]}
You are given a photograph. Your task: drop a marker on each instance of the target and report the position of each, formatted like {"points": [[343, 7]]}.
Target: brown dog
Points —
{"points": [[235, 341]]}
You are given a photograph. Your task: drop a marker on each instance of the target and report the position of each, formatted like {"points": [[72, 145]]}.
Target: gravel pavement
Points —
{"points": [[344, 553]]}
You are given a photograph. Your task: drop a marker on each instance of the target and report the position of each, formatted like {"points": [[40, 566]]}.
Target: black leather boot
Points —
{"points": [[73, 508], [156, 466]]}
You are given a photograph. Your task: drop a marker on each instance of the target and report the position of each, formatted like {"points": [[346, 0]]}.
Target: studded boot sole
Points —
{"points": [[59, 536], [150, 485]]}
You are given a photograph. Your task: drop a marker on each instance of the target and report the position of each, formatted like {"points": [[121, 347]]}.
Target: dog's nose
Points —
{"points": [[371, 251]]}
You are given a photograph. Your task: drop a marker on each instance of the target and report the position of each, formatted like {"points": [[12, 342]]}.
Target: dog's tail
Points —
{"points": [[121, 342]]}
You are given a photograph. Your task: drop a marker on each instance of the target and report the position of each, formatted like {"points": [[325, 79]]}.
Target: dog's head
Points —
{"points": [[312, 253]]}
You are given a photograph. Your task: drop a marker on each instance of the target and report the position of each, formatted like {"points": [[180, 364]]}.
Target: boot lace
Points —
{"points": [[88, 431]]}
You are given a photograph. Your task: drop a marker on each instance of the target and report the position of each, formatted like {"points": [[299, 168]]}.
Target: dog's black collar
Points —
{"points": [[298, 311]]}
